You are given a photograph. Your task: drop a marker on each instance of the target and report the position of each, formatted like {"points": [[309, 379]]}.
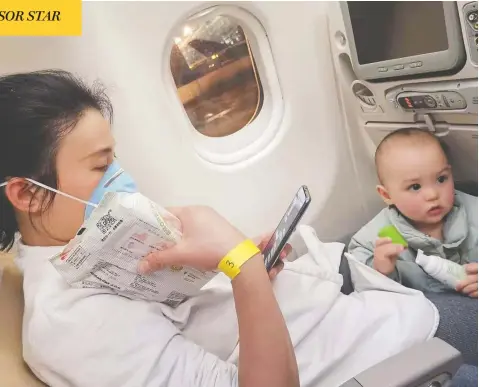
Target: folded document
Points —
{"points": [[120, 231]]}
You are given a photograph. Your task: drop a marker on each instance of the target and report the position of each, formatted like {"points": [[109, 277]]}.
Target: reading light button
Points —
{"points": [[429, 101]]}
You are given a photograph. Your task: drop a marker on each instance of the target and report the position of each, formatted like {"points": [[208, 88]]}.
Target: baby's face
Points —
{"points": [[418, 180]]}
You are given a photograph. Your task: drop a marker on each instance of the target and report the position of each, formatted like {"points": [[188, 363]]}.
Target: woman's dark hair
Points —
{"points": [[37, 110]]}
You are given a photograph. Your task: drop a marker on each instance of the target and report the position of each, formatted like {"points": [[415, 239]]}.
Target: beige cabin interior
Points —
{"points": [[14, 371]]}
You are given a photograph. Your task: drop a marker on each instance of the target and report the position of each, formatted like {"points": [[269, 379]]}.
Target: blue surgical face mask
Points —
{"points": [[115, 179]]}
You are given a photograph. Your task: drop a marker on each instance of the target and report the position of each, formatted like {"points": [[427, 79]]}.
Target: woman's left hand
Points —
{"points": [[262, 241], [469, 285]]}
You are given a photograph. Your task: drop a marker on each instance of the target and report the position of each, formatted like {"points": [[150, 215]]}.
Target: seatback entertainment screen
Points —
{"points": [[386, 30]]}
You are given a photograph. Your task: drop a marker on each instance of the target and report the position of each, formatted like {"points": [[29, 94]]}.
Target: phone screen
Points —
{"points": [[286, 226]]}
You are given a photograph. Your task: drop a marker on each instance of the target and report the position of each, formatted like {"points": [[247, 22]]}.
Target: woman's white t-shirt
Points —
{"points": [[83, 337]]}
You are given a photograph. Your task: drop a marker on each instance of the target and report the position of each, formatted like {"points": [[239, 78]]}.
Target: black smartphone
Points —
{"points": [[286, 226]]}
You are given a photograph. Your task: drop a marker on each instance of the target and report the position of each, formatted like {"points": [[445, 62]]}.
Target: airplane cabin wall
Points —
{"points": [[366, 126], [126, 46]]}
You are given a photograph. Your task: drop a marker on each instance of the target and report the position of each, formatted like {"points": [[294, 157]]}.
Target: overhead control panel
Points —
{"points": [[444, 97]]}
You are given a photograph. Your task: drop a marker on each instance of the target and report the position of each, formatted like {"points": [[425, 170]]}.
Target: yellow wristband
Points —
{"points": [[232, 262]]}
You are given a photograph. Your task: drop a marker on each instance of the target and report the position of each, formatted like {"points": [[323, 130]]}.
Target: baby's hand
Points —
{"points": [[469, 285], [385, 255]]}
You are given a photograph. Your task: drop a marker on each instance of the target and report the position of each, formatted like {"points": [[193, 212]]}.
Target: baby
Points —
{"points": [[417, 185]]}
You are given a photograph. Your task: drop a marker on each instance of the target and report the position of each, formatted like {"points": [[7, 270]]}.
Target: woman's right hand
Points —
{"points": [[207, 238]]}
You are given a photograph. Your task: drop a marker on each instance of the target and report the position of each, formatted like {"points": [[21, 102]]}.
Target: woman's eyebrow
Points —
{"points": [[100, 152]]}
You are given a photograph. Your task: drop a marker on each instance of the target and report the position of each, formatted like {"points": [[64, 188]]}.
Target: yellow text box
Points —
{"points": [[40, 18]]}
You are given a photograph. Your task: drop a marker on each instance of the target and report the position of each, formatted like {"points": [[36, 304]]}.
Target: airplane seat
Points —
{"points": [[429, 364], [469, 187], [345, 271], [407, 369], [13, 370]]}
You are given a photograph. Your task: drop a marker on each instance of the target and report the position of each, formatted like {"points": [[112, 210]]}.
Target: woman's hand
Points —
{"points": [[469, 285], [262, 241], [207, 238], [266, 356]]}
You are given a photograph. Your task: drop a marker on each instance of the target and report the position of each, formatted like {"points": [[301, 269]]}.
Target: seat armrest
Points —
{"points": [[420, 366]]}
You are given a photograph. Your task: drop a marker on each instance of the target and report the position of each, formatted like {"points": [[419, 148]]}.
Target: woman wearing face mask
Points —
{"points": [[59, 139]]}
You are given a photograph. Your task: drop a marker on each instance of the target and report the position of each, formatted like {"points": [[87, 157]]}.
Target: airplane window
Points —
{"points": [[216, 76]]}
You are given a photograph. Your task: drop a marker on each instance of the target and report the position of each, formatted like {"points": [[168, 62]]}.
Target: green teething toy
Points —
{"points": [[391, 232]]}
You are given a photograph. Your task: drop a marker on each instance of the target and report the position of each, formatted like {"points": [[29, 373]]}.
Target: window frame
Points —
{"points": [[256, 137]]}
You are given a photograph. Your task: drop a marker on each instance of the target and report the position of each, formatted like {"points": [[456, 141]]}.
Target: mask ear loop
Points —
{"points": [[54, 190]]}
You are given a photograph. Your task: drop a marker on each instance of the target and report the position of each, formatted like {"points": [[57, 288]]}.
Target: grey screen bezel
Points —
{"points": [[432, 62]]}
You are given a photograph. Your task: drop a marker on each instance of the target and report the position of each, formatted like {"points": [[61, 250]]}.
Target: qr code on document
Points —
{"points": [[106, 222], [174, 299]]}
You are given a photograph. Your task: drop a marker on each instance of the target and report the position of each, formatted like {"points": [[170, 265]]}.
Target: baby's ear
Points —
{"points": [[383, 192]]}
